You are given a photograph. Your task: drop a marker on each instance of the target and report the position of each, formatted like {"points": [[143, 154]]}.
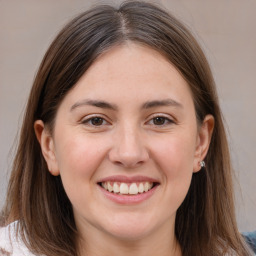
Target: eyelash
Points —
{"points": [[89, 120], [166, 121]]}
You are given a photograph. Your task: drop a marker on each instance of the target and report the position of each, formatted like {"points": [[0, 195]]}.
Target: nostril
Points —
{"points": [[129, 164], [118, 162], [128, 153]]}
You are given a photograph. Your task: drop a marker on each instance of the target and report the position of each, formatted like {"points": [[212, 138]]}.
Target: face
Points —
{"points": [[126, 143]]}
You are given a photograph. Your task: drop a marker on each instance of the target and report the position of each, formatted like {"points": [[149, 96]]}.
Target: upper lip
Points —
{"points": [[127, 179]]}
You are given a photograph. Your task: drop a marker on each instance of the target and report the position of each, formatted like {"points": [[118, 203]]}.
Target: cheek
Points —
{"points": [[175, 155], [175, 158], [78, 158]]}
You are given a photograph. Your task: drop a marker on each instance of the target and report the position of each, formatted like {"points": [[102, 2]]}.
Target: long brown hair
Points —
{"points": [[205, 222]]}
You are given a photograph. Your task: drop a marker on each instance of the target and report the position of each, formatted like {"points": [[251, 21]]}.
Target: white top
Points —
{"points": [[14, 246], [10, 244]]}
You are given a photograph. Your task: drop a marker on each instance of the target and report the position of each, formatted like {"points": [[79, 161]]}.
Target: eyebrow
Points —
{"points": [[160, 103], [95, 103], [106, 105]]}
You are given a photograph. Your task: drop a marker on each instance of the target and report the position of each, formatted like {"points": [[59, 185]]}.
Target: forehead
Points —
{"points": [[131, 72]]}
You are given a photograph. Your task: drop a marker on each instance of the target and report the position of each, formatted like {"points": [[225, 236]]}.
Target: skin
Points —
{"points": [[129, 140]]}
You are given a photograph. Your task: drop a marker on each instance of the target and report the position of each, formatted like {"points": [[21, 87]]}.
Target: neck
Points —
{"points": [[103, 244]]}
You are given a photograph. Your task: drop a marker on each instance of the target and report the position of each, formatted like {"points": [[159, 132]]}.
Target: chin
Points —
{"points": [[130, 229], [129, 234]]}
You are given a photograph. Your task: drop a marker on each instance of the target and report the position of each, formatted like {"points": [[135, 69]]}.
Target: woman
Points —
{"points": [[123, 149]]}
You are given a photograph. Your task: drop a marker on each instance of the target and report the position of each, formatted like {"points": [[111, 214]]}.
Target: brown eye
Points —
{"points": [[159, 120], [97, 121]]}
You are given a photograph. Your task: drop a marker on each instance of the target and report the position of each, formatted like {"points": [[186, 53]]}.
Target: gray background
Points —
{"points": [[226, 30]]}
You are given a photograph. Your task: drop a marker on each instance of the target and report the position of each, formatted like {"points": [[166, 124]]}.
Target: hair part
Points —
{"points": [[205, 222]]}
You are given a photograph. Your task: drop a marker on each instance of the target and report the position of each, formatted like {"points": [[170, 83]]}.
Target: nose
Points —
{"points": [[128, 148]]}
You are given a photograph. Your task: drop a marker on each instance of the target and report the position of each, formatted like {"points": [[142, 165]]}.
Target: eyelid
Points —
{"points": [[85, 120], [171, 120]]}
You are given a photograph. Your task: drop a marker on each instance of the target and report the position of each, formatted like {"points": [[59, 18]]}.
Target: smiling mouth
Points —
{"points": [[122, 188]]}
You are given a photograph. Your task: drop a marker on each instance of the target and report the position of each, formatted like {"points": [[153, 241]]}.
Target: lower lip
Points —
{"points": [[129, 199]]}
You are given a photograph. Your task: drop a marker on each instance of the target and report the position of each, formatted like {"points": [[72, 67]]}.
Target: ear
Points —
{"points": [[47, 146], [203, 141]]}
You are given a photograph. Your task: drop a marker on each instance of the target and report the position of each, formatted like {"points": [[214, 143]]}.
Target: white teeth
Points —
{"points": [[116, 188], [124, 189], [133, 189], [110, 188], [146, 186], [105, 185], [141, 188], [127, 188]]}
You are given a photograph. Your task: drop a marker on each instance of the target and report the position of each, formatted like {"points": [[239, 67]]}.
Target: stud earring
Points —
{"points": [[202, 164]]}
